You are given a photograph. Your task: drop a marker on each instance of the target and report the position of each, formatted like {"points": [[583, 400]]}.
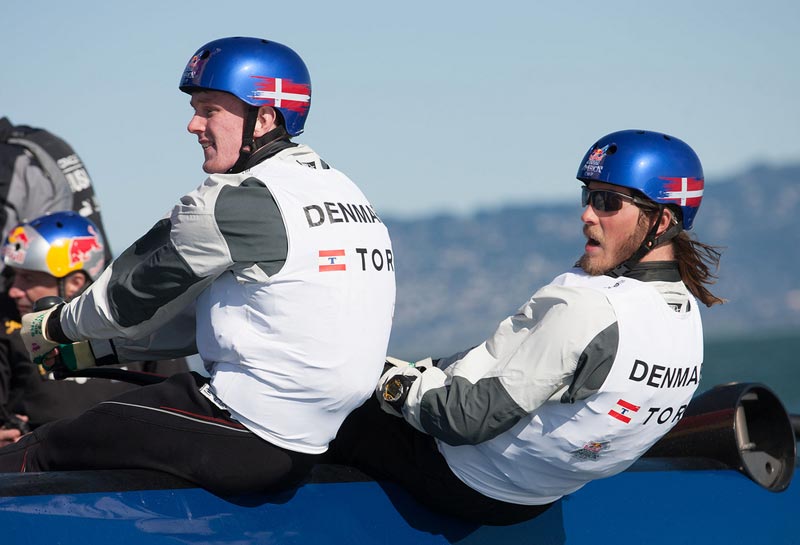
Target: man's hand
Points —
{"points": [[10, 432], [76, 356], [393, 387], [51, 355], [9, 436], [33, 335]]}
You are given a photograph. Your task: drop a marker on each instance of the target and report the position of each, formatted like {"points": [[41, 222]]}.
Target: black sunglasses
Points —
{"points": [[605, 200]]}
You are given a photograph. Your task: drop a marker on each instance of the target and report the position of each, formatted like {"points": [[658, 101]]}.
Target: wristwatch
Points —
{"points": [[395, 390]]}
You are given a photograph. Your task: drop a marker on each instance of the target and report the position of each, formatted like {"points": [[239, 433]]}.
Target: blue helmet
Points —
{"points": [[662, 167], [57, 244], [258, 72]]}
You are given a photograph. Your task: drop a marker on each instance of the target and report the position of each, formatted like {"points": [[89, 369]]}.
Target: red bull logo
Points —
{"points": [[81, 249], [20, 237], [597, 154], [191, 68], [594, 163], [16, 248], [194, 69], [75, 253]]}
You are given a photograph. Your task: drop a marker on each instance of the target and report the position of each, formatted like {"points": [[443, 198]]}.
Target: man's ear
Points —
{"points": [[266, 121], [74, 283], [665, 221]]}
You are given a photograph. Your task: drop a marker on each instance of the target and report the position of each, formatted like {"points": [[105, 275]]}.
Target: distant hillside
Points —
{"points": [[458, 276]]}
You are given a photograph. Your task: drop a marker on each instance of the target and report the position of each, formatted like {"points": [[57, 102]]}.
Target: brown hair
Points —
{"points": [[695, 261]]}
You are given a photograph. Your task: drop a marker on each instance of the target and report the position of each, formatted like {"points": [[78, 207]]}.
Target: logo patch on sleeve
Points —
{"points": [[590, 450]]}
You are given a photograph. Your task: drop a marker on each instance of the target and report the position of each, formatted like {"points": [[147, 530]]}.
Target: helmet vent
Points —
{"points": [[59, 225], [666, 137], [612, 149]]}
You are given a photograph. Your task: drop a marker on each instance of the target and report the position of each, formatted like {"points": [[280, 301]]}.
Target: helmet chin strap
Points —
{"points": [[651, 240], [61, 283], [248, 146]]}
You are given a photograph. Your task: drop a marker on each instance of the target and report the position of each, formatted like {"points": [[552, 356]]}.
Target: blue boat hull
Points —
{"points": [[654, 503], [722, 475]]}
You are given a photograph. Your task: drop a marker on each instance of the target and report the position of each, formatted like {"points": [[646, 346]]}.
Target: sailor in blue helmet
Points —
{"points": [[583, 379], [260, 271], [258, 73], [637, 160]]}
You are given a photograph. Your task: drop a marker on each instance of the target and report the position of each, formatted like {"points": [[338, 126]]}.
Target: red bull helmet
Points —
{"points": [[258, 72], [57, 244], [661, 167]]}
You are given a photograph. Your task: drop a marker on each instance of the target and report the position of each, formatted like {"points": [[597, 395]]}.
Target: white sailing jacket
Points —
{"points": [[576, 386], [282, 276]]}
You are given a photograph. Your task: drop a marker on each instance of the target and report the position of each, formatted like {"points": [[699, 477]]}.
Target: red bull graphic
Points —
{"points": [[81, 248], [597, 154], [19, 236], [194, 69], [591, 450], [594, 163], [76, 253], [16, 247]]}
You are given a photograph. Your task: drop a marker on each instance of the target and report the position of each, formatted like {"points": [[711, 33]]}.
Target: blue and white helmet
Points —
{"points": [[661, 167], [258, 72], [58, 244]]}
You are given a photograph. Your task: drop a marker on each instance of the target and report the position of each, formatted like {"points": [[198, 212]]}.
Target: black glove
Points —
{"points": [[10, 421]]}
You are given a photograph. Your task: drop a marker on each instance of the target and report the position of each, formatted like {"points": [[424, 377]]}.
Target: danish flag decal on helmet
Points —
{"points": [[256, 71], [684, 191], [283, 93]]}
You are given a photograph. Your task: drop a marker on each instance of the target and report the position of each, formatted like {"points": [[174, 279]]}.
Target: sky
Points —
{"points": [[430, 107]]}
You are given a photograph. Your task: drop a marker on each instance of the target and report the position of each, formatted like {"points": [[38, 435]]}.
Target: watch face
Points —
{"points": [[393, 389]]}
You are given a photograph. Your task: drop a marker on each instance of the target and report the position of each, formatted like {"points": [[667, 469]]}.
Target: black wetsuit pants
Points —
{"points": [[387, 448], [169, 427]]}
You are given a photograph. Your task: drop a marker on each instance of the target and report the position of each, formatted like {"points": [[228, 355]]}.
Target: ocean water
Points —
{"points": [[772, 360]]}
